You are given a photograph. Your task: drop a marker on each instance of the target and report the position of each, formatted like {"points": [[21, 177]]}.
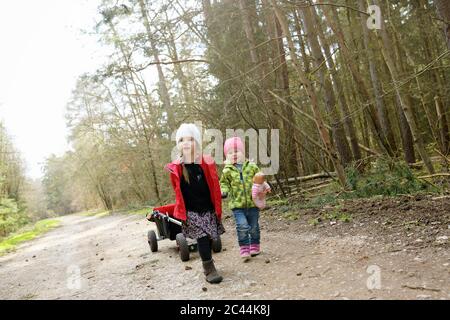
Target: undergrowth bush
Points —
{"points": [[12, 217], [387, 177]]}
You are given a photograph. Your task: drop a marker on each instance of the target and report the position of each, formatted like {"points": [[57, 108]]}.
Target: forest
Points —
{"points": [[358, 90], [356, 93]]}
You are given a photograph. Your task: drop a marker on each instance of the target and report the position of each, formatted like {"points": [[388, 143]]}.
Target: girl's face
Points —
{"points": [[187, 147], [235, 156]]}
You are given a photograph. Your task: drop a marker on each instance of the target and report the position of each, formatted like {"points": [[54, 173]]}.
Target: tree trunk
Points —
{"points": [[443, 10], [312, 96], [443, 127], [405, 134], [177, 67], [381, 108], [325, 83], [135, 113], [407, 108], [162, 84], [260, 63], [283, 87], [339, 89], [298, 28], [358, 79]]}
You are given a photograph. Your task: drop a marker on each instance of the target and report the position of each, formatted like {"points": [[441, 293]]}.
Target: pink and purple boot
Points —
{"points": [[244, 252], [255, 249]]}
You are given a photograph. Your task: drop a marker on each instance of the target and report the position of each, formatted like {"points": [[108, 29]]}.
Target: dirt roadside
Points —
{"points": [[403, 240]]}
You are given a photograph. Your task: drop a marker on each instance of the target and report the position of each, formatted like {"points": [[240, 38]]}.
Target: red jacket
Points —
{"points": [[209, 169]]}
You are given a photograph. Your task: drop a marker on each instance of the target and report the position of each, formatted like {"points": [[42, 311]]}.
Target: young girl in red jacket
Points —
{"points": [[198, 201]]}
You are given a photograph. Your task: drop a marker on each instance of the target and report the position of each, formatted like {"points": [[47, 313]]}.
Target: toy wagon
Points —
{"points": [[170, 228]]}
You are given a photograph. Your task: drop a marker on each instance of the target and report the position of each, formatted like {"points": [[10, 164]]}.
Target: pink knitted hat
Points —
{"points": [[233, 143]]}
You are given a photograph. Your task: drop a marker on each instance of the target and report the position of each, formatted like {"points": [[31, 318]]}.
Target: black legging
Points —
{"points": [[204, 248]]}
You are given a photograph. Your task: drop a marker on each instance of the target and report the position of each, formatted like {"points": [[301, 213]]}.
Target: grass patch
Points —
{"points": [[314, 221], [334, 215], [102, 214], [95, 213], [337, 215], [320, 201], [140, 211], [276, 202], [39, 228], [98, 214], [345, 217], [291, 215], [88, 213]]}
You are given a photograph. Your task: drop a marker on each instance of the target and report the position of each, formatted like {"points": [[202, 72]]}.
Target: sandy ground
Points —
{"points": [[109, 258]]}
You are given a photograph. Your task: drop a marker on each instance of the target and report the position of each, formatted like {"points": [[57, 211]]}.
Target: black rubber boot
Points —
{"points": [[210, 272]]}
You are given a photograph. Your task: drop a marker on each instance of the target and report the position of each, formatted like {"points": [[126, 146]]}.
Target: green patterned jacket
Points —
{"points": [[239, 190]]}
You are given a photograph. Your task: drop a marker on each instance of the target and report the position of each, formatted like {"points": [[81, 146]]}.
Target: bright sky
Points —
{"points": [[42, 53]]}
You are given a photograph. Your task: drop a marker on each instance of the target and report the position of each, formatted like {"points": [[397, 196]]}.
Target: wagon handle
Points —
{"points": [[173, 220], [166, 216]]}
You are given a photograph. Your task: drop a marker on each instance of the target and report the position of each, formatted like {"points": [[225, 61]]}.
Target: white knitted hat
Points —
{"points": [[189, 130]]}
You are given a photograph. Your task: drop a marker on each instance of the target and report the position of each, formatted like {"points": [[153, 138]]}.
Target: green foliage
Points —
{"points": [[320, 201], [57, 184], [291, 215], [11, 216], [121, 123], [39, 228], [96, 213], [336, 214], [141, 211], [276, 202], [387, 177], [314, 221], [345, 217], [352, 176]]}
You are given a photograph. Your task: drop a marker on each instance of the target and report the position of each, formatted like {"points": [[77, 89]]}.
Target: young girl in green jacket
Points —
{"points": [[236, 183]]}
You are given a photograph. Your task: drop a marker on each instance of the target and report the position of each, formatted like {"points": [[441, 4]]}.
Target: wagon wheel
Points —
{"points": [[152, 241], [183, 247]]}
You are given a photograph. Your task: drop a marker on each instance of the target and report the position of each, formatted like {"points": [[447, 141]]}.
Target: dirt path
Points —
{"points": [[329, 261]]}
